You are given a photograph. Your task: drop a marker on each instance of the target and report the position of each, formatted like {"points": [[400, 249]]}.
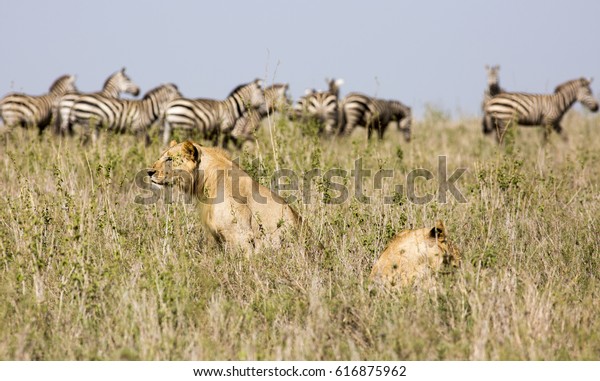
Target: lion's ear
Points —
{"points": [[439, 230], [189, 151], [173, 143]]}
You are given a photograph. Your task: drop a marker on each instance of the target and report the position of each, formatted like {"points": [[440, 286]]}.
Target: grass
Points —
{"points": [[86, 273]]}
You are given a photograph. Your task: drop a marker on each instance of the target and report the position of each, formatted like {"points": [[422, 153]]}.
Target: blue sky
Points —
{"points": [[419, 52]]}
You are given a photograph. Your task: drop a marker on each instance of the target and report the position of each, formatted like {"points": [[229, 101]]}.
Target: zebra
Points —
{"points": [[492, 90], [321, 106], [493, 81], [122, 115], [212, 117], [27, 111], [114, 85], [276, 99], [334, 85], [373, 113], [544, 110]]}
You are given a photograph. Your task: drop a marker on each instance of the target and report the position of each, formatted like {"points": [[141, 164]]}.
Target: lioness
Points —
{"points": [[413, 254], [234, 208]]}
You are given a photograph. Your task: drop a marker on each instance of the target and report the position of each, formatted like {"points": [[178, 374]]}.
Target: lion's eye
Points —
{"points": [[168, 159]]}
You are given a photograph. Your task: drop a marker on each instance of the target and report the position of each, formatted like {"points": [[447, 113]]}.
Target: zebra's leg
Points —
{"points": [[381, 131], [95, 135], [86, 134], [69, 128], [486, 124], [41, 129], [95, 131], [330, 127], [215, 140], [559, 130], [225, 141], [501, 127], [57, 126], [166, 132], [547, 131], [346, 129]]}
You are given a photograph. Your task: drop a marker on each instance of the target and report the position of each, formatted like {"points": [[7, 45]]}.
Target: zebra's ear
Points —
{"points": [[173, 143], [123, 70], [259, 82], [339, 82]]}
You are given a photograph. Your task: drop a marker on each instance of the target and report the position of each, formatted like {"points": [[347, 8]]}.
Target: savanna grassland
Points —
{"points": [[87, 273]]}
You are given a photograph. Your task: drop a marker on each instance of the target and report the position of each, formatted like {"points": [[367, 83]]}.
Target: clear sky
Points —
{"points": [[419, 52]]}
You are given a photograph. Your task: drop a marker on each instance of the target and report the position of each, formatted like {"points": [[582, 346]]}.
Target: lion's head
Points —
{"points": [[413, 253], [177, 165]]}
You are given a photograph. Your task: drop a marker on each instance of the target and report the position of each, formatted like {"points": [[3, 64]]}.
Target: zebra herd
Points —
{"points": [[237, 117], [233, 119]]}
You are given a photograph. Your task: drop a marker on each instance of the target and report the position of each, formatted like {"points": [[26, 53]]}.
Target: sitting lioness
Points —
{"points": [[235, 209], [414, 254]]}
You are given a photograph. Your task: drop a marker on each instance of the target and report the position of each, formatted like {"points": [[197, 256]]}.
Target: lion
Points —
{"points": [[236, 210], [414, 254]]}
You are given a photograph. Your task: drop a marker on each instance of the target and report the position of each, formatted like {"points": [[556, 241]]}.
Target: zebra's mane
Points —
{"points": [[159, 89], [238, 88], [109, 79], [574, 83], [61, 81], [277, 86], [399, 106]]}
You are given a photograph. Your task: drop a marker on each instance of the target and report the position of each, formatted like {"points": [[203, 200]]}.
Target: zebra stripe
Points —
{"points": [[276, 98], [212, 117], [373, 113], [114, 85], [27, 111], [538, 109], [321, 106], [120, 115]]}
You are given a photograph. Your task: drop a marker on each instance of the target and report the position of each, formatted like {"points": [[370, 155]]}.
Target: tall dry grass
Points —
{"points": [[86, 273]]}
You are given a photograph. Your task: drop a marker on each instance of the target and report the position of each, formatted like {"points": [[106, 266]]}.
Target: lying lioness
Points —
{"points": [[234, 208], [413, 254]]}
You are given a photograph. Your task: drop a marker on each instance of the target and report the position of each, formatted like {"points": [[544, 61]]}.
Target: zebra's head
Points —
{"points": [[585, 96], [405, 124], [63, 85], [334, 85], [276, 97], [492, 75], [251, 95], [121, 83], [403, 116], [578, 90]]}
